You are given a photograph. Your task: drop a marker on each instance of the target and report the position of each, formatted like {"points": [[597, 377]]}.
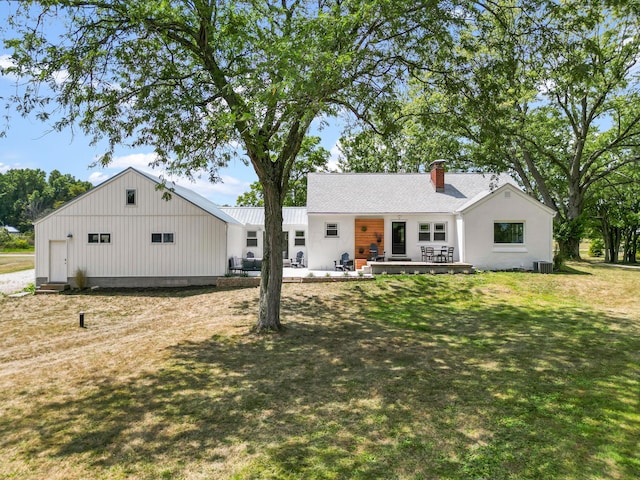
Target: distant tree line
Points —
{"points": [[27, 194]]}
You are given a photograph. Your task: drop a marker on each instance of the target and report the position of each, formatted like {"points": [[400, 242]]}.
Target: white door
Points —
{"points": [[58, 261]]}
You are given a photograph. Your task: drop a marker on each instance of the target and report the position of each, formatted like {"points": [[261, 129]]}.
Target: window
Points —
{"points": [[436, 232], [331, 230], [162, 238], [99, 238], [424, 232], [299, 239], [131, 196], [252, 238], [508, 232]]}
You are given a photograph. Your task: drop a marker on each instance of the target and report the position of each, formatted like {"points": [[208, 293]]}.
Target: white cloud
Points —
{"points": [[334, 156], [7, 62], [136, 160], [224, 192], [98, 177]]}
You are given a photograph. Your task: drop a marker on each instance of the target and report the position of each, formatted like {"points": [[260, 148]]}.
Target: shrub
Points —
{"points": [[80, 278], [596, 248]]}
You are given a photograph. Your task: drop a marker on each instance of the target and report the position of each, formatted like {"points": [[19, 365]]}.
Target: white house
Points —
{"points": [[249, 237], [490, 222], [123, 233]]}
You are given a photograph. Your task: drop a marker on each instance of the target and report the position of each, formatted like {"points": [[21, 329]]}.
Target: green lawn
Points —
{"points": [[487, 376]]}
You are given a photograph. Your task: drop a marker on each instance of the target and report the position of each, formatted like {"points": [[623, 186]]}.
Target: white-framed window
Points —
{"points": [[299, 240], [99, 238], [508, 232], [424, 232], [432, 232], [331, 230], [162, 238], [252, 238], [440, 232], [130, 197]]}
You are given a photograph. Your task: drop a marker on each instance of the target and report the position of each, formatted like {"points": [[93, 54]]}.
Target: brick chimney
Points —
{"points": [[437, 174]]}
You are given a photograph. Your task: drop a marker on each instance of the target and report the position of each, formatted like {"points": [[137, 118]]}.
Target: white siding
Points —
{"points": [[323, 251], [199, 247], [507, 205]]}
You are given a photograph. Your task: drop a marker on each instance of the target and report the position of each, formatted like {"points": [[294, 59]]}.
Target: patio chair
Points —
{"points": [[250, 255], [299, 260], [374, 254], [450, 254], [427, 254], [344, 263]]}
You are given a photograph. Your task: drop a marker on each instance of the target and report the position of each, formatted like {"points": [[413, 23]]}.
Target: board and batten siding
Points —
{"points": [[199, 248]]}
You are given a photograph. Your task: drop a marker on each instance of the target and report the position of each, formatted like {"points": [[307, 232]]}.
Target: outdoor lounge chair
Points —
{"points": [[374, 254], [299, 260], [344, 263]]}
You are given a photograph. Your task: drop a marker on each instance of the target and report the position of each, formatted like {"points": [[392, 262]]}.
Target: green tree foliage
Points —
{"points": [[201, 79], [311, 158], [614, 212], [27, 194], [546, 90]]}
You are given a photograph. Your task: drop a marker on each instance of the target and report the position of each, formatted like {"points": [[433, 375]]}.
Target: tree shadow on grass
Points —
{"points": [[457, 390]]}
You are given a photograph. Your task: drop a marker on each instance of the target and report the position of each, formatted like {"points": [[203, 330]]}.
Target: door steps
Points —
{"points": [[47, 288]]}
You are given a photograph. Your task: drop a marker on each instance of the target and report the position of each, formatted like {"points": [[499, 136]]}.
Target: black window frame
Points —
{"points": [[131, 197], [509, 232], [98, 238], [162, 237]]}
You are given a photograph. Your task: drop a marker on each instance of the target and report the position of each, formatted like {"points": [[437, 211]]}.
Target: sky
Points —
{"points": [[30, 143]]}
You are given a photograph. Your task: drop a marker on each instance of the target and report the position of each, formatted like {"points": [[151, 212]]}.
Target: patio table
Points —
{"points": [[442, 256]]}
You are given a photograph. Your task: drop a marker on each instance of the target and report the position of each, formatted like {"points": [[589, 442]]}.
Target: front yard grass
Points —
{"points": [[495, 375]]}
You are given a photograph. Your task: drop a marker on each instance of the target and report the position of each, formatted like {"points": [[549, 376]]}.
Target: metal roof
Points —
{"points": [[255, 215], [377, 193]]}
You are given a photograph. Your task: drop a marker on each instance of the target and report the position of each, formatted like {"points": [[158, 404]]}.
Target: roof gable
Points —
{"points": [[488, 196], [184, 193]]}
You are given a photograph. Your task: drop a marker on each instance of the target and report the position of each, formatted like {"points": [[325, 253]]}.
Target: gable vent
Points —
{"points": [[507, 194]]}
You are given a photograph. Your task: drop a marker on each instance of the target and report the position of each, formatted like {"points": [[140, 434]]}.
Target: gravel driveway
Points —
{"points": [[15, 282]]}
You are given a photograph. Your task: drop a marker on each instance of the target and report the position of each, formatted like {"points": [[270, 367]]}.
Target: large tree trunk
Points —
{"points": [[569, 248], [271, 275], [568, 234]]}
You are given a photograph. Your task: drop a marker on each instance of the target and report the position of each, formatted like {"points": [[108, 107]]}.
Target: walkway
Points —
{"points": [[16, 281]]}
